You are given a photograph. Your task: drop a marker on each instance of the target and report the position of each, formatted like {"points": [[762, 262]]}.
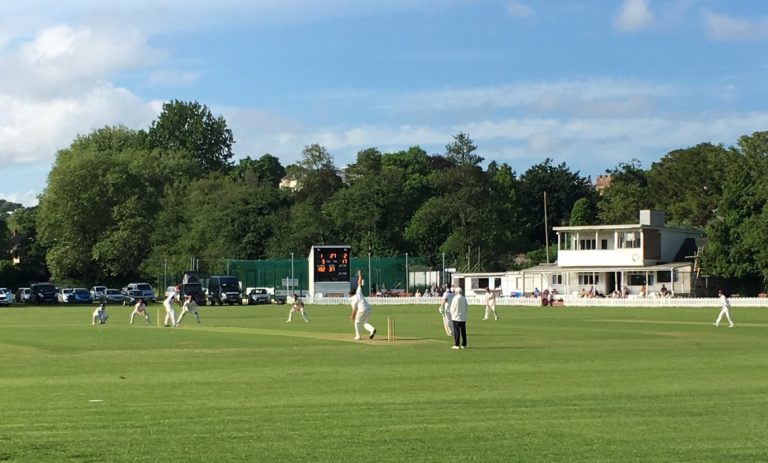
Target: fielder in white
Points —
{"points": [[190, 306], [100, 315], [490, 304], [170, 313], [724, 310], [444, 309], [297, 306], [361, 310], [140, 309]]}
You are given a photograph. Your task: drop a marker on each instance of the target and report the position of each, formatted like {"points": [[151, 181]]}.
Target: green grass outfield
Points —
{"points": [[575, 385]]}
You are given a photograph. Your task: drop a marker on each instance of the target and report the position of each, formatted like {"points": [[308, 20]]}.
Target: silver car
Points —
{"points": [[23, 295], [97, 291], [114, 296], [6, 296], [66, 295]]}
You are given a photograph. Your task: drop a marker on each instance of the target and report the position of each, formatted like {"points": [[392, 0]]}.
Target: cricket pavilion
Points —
{"points": [[631, 260]]}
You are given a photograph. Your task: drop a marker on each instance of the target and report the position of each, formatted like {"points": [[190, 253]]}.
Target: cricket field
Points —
{"points": [[539, 385]]}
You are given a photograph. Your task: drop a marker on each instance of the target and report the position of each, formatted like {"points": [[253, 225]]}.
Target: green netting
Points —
{"points": [[384, 273]]}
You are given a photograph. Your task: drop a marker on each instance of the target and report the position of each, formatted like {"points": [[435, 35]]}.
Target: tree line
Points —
{"points": [[125, 204]]}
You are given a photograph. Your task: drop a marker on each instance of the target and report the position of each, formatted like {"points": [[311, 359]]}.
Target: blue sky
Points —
{"points": [[591, 83]]}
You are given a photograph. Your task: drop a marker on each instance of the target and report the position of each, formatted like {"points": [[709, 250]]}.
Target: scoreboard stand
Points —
{"points": [[329, 271]]}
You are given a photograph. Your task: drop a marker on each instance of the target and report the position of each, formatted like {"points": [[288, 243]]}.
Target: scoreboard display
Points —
{"points": [[331, 264]]}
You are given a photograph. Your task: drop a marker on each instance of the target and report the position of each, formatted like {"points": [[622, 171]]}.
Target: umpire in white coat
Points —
{"points": [[459, 318]]}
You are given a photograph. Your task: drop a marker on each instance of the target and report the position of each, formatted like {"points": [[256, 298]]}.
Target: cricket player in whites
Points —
{"points": [[361, 310], [100, 315], [725, 309], [490, 304], [170, 314], [190, 306], [297, 306], [140, 309], [444, 309]]}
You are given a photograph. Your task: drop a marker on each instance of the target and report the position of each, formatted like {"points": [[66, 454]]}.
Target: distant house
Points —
{"points": [[289, 183], [292, 183], [606, 258], [601, 183], [17, 242]]}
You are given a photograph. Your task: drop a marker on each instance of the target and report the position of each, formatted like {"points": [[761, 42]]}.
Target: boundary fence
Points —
{"points": [[568, 301]]}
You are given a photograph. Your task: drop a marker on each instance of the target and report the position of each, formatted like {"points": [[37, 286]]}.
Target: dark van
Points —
{"points": [[43, 293], [224, 290]]}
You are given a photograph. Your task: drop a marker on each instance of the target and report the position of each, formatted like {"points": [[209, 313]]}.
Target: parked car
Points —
{"points": [[65, 295], [259, 296], [81, 296], [147, 292], [6, 297], [97, 292], [22, 295], [43, 293], [224, 289], [114, 296]]}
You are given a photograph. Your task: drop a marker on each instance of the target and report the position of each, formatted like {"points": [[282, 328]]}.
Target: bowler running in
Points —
{"points": [[361, 309]]}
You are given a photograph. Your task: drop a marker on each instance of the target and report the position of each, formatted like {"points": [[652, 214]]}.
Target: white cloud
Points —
{"points": [[633, 16], [722, 27], [55, 85], [26, 199], [32, 131], [64, 60], [519, 9], [592, 143], [599, 96], [544, 143]]}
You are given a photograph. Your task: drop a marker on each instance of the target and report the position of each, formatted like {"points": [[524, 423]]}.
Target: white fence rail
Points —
{"points": [[569, 301]]}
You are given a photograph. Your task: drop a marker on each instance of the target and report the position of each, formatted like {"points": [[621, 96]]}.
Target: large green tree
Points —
{"points": [[298, 228], [562, 187], [687, 183], [382, 193], [265, 170], [735, 246], [228, 219], [7, 207], [316, 175], [192, 130], [31, 266], [583, 213], [470, 216], [461, 151], [97, 211], [626, 195]]}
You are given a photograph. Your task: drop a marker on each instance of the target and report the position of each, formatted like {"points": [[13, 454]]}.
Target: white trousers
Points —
{"points": [[184, 312], [144, 314], [727, 312], [490, 308], [300, 310], [447, 323], [361, 321], [170, 315]]}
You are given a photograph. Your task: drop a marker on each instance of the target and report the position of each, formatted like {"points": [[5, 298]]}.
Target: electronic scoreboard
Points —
{"points": [[329, 267]]}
